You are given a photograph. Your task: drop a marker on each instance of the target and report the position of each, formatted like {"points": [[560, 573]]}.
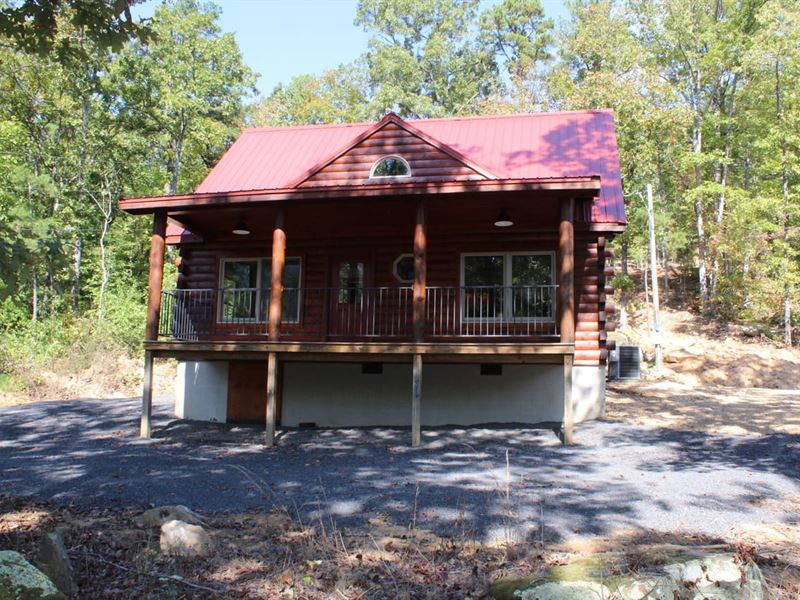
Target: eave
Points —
{"points": [[578, 186]]}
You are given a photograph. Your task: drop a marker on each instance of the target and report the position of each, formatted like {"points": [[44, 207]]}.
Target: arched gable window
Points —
{"points": [[390, 166]]}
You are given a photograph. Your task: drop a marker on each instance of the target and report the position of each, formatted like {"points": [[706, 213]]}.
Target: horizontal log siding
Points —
{"points": [[591, 291], [427, 162]]}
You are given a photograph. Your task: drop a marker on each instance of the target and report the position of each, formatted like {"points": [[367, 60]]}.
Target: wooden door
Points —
{"points": [[247, 392]]}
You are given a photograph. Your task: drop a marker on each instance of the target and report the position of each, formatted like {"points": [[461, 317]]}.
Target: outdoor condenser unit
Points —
{"points": [[630, 358]]}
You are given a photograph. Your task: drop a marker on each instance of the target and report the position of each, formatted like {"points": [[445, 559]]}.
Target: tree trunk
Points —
{"points": [[787, 289], [697, 148], [665, 263], [623, 300], [76, 283], [35, 299]]}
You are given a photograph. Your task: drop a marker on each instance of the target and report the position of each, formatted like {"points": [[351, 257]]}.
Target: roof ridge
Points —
{"points": [[435, 119]]}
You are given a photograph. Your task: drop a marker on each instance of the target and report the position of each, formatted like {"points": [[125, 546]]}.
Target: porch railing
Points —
{"points": [[361, 313]]}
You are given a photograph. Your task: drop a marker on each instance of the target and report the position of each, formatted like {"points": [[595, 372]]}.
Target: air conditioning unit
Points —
{"points": [[629, 363]]}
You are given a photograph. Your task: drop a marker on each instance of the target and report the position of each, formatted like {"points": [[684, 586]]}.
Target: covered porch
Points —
{"points": [[436, 317]]}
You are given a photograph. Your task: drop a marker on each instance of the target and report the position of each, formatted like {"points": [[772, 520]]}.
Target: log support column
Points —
{"points": [[272, 391], [566, 271], [276, 283], [275, 316], [157, 247], [418, 295]]}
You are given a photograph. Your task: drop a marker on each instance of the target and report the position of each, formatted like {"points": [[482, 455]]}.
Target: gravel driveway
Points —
{"points": [[86, 453]]}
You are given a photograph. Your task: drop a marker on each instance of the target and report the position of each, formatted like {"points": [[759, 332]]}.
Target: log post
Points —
{"points": [[418, 304], [416, 400], [157, 246], [420, 273], [566, 271], [272, 387], [278, 262], [145, 426]]}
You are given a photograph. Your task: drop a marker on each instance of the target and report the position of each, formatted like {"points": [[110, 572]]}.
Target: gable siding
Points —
{"points": [[427, 162]]}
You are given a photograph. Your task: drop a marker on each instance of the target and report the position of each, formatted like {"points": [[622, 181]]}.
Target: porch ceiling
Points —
{"points": [[472, 214]]}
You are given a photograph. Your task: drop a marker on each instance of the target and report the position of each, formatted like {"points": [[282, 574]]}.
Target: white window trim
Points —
{"points": [[507, 276], [258, 289], [394, 268], [383, 158]]}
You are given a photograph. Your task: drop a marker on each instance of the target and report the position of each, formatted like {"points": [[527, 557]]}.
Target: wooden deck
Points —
{"points": [[508, 353]]}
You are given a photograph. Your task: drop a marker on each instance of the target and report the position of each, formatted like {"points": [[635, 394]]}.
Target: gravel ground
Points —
{"points": [[86, 453]]}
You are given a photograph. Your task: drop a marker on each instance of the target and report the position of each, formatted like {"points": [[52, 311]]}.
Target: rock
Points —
{"points": [[179, 538], [565, 590], [20, 580], [54, 562], [156, 517], [648, 588], [719, 577], [712, 577]]}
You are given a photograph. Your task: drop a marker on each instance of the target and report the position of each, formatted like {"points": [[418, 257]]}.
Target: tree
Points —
{"points": [[424, 59], [336, 96], [39, 26], [185, 88]]}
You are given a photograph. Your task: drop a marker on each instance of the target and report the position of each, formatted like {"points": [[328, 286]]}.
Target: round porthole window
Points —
{"points": [[403, 268]]}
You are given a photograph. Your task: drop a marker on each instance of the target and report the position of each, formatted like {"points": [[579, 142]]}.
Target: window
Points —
{"points": [[390, 166], [508, 287], [403, 268], [246, 286], [351, 281]]}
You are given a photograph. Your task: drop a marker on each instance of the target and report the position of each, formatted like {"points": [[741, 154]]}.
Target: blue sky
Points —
{"points": [[283, 38]]}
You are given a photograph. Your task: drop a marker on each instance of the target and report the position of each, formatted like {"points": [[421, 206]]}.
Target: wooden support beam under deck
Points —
{"points": [[416, 401], [272, 391], [568, 417], [145, 426], [278, 262]]}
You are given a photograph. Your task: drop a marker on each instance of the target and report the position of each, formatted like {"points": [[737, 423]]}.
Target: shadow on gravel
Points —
{"points": [[506, 483]]}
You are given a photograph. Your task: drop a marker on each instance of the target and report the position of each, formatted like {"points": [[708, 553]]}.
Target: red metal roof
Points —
{"points": [[522, 146]]}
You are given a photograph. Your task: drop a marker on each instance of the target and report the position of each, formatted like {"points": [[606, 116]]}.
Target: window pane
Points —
{"points": [[351, 281], [240, 274], [239, 278], [483, 270], [485, 275], [404, 269], [291, 292], [391, 167], [529, 299], [531, 269]]}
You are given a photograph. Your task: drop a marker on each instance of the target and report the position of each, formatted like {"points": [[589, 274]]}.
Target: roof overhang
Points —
{"points": [[566, 186]]}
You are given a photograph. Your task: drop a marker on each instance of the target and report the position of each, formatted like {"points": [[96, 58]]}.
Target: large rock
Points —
{"points": [[712, 577], [20, 580], [156, 517], [565, 590], [719, 577], [54, 562], [184, 539]]}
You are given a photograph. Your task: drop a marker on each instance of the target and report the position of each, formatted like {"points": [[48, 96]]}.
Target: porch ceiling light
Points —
{"points": [[241, 227], [503, 219]]}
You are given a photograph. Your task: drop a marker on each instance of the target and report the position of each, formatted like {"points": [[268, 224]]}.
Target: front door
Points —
{"points": [[350, 298]]}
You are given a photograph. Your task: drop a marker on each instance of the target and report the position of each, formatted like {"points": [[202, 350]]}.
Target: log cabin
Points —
{"points": [[403, 272]]}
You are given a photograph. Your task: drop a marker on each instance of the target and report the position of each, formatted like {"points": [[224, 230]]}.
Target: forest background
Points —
{"points": [[95, 105]]}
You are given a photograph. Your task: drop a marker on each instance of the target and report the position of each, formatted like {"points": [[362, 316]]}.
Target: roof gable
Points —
{"points": [[428, 158]]}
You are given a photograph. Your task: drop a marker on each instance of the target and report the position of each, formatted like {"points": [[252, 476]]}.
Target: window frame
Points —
{"points": [[508, 311], [259, 260], [387, 157], [396, 262]]}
